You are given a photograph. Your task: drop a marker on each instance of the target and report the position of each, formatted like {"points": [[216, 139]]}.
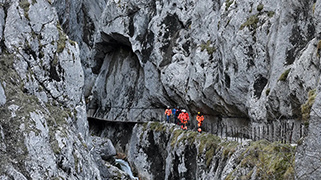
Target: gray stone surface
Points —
{"points": [[2, 96], [151, 53], [308, 154], [44, 129], [104, 147], [222, 57]]}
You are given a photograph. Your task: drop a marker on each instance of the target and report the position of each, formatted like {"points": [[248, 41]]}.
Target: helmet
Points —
{"points": [[167, 107], [183, 110], [199, 113]]}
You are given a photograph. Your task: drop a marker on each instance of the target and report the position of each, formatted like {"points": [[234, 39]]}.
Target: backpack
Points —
{"points": [[174, 111], [178, 111]]}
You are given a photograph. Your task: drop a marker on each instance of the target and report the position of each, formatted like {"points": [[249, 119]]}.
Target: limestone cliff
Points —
{"points": [[43, 124], [249, 59], [255, 59], [164, 151], [258, 60]]}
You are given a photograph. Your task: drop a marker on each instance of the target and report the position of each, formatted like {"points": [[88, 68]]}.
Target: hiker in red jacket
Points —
{"points": [[184, 118]]}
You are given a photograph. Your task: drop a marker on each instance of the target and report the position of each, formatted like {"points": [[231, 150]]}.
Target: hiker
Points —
{"points": [[173, 113], [200, 119], [168, 113], [177, 112], [184, 117]]}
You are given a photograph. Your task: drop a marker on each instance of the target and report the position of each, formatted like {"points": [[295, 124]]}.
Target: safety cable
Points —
{"points": [[146, 108]]}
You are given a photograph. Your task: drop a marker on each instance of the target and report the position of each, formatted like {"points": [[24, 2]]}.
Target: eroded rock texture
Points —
{"points": [[258, 60], [43, 124], [224, 57]]}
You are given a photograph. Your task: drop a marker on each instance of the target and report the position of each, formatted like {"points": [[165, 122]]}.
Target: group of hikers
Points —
{"points": [[181, 117]]}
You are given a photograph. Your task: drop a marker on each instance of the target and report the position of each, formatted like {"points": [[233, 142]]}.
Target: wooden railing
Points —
{"points": [[236, 128]]}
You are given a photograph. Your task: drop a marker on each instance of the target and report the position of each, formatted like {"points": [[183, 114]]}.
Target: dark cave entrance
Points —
{"points": [[119, 81]]}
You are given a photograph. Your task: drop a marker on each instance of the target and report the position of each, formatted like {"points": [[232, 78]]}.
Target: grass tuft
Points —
{"points": [[284, 76], [251, 22], [24, 4], [306, 108], [228, 3], [209, 48]]}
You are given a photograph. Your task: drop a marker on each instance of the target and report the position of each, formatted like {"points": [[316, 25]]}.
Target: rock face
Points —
{"points": [[246, 59], [163, 151], [224, 58], [257, 60], [231, 60], [43, 125]]}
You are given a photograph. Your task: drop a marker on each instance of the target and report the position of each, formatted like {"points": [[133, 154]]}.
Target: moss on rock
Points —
{"points": [[272, 160], [61, 44], [176, 133], [306, 108], [209, 48], [261, 159], [251, 22], [318, 48], [24, 4], [228, 3], [158, 127]]}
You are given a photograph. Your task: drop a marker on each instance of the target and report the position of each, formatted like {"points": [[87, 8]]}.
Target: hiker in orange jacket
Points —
{"points": [[168, 113], [200, 119], [184, 118]]}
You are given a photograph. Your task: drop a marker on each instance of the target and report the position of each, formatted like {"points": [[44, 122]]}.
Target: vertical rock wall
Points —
{"points": [[222, 57], [163, 151], [254, 59], [258, 60], [43, 125]]}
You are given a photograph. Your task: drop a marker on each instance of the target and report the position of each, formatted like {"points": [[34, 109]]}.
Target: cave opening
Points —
{"points": [[119, 81], [109, 43]]}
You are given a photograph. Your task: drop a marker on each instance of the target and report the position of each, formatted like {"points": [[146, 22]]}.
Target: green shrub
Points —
{"points": [[271, 13], [306, 108], [209, 48], [272, 160], [267, 92], [260, 7], [313, 8], [228, 3], [24, 4], [284, 75], [251, 22], [318, 48], [207, 141]]}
